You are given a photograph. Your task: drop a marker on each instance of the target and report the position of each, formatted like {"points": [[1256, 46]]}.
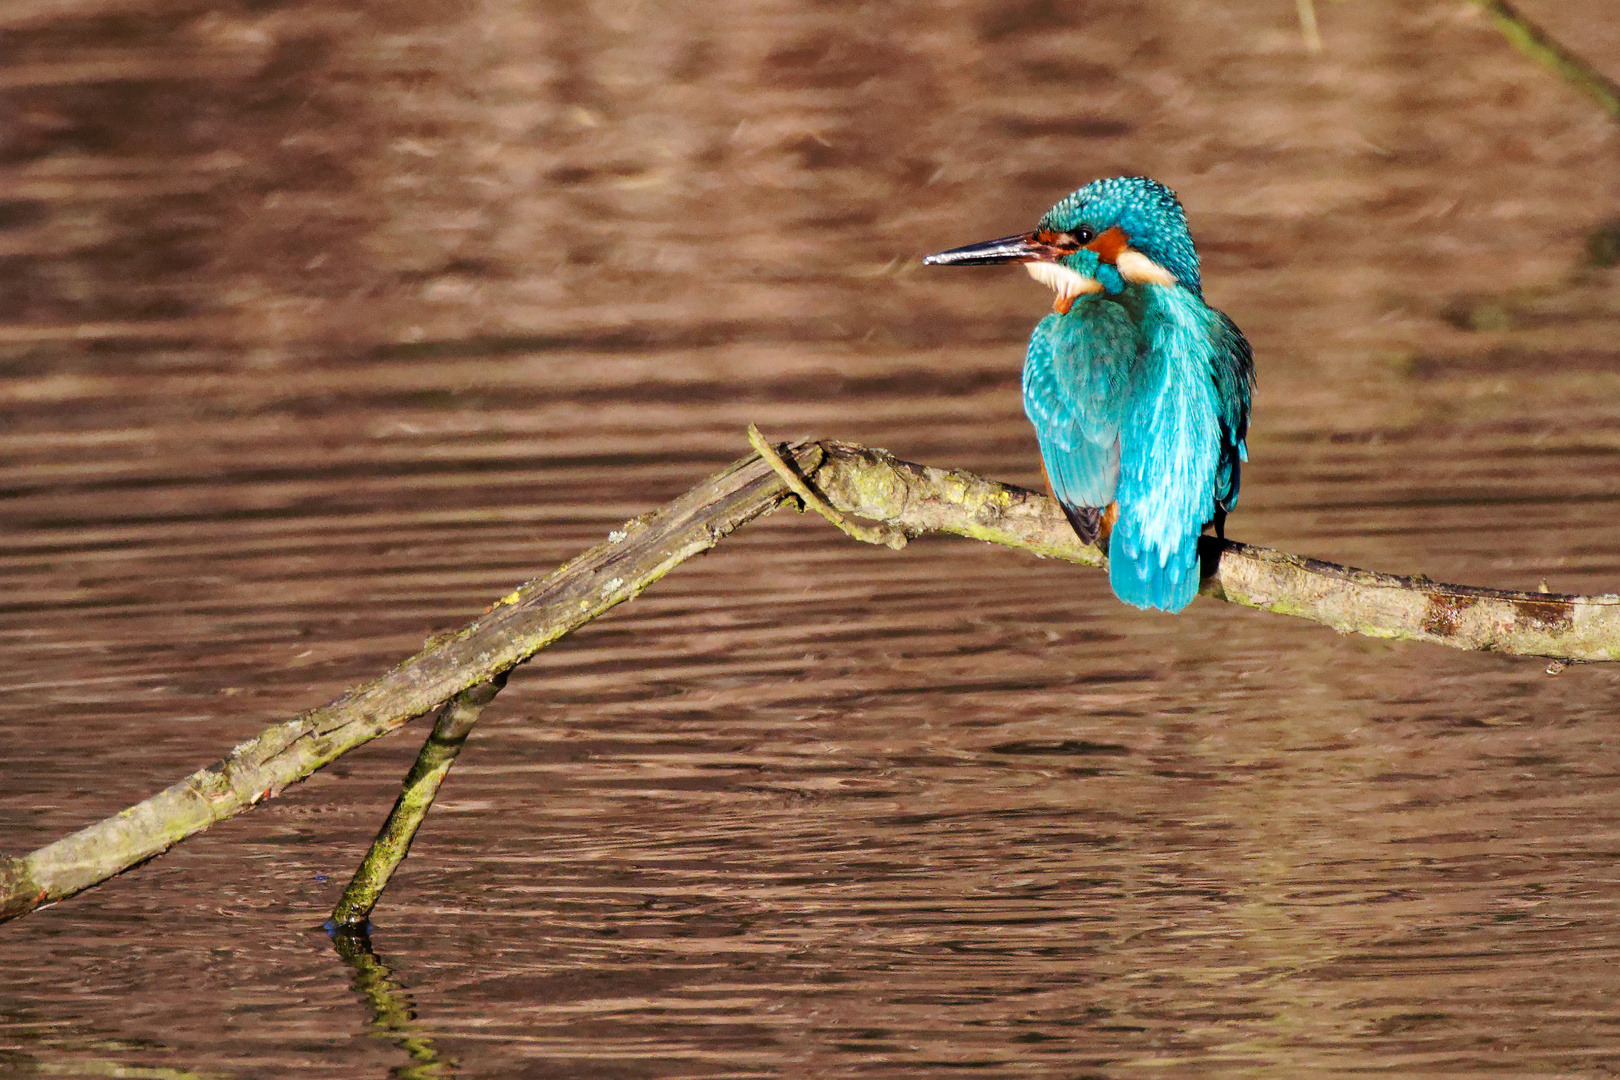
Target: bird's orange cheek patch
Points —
{"points": [[1110, 244], [1133, 266]]}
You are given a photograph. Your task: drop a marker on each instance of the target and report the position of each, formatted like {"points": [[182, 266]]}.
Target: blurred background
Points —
{"points": [[323, 324]]}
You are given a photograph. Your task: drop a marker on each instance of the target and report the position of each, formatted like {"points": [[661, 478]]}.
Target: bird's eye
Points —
{"points": [[1085, 234]]}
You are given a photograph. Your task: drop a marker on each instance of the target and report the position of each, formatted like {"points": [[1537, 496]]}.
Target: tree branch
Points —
{"points": [[416, 795], [515, 628], [902, 497], [875, 484], [1533, 41]]}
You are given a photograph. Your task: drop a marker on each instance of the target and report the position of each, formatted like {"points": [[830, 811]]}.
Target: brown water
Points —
{"points": [[324, 324]]}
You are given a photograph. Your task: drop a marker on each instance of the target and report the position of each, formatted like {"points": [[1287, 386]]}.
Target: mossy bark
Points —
{"points": [[906, 499], [516, 627], [420, 788], [918, 499]]}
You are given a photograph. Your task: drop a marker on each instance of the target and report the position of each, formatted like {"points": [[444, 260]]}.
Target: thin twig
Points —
{"points": [[882, 535], [1307, 25], [1533, 41]]}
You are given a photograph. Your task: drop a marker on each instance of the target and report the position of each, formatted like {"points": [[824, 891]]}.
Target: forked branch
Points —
{"points": [[901, 500]]}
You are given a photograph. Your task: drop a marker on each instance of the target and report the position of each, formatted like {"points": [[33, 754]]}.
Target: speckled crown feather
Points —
{"points": [[1149, 214]]}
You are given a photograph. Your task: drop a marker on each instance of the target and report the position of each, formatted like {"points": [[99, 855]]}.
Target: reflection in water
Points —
{"points": [[117, 1070], [324, 324], [393, 1015], [30, 1046]]}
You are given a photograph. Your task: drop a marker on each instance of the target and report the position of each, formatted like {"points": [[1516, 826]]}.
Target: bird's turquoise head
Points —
{"points": [[1107, 235], [1147, 214]]}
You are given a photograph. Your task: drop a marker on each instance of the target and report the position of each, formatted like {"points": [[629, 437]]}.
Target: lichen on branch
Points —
{"points": [[918, 499], [903, 500]]}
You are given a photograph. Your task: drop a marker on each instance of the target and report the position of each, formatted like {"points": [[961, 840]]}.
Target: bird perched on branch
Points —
{"points": [[1138, 390]]}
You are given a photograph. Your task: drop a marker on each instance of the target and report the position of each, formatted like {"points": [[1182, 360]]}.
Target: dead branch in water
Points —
{"points": [[1534, 42], [416, 795], [515, 628], [903, 500]]}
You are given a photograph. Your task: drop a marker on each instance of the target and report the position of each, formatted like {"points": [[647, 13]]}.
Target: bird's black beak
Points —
{"points": [[1023, 248]]}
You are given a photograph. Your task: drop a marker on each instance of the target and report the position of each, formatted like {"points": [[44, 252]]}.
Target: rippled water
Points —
{"points": [[323, 327]]}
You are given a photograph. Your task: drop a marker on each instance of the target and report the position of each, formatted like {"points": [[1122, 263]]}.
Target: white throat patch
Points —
{"points": [[1068, 284]]}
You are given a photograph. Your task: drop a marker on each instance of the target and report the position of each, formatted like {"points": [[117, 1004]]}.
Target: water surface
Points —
{"points": [[324, 326]]}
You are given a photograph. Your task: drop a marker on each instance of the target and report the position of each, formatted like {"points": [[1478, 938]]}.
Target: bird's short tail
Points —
{"points": [[1146, 575]]}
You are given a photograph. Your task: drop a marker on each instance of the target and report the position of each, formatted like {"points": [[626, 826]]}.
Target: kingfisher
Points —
{"points": [[1139, 391]]}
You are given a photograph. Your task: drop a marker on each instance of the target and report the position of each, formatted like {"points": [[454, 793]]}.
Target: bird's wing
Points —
{"points": [[1075, 376], [1232, 368]]}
